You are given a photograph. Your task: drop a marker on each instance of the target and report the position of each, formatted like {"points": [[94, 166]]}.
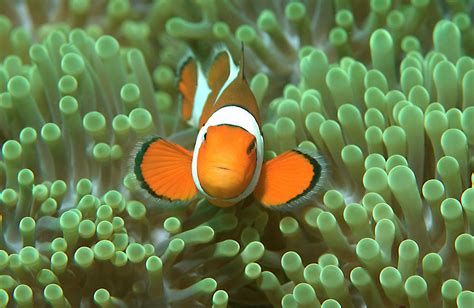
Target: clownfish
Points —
{"points": [[227, 164]]}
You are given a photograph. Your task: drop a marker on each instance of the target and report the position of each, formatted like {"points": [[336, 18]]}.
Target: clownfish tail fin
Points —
{"points": [[163, 169], [291, 179]]}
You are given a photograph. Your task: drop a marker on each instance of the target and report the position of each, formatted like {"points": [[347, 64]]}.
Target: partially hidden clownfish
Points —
{"points": [[227, 164]]}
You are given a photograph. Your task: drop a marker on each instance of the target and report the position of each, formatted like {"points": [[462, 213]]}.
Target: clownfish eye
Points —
{"points": [[251, 147]]}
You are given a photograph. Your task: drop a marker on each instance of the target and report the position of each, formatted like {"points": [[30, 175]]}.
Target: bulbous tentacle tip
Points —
{"points": [[382, 91]]}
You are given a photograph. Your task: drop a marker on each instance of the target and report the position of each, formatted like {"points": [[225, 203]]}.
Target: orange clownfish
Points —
{"points": [[227, 164]]}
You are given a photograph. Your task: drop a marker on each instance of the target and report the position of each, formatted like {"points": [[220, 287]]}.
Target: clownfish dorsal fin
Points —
{"points": [[219, 70], [164, 169], [187, 85], [242, 62], [193, 89], [228, 86], [218, 73], [290, 179], [238, 93], [236, 90]]}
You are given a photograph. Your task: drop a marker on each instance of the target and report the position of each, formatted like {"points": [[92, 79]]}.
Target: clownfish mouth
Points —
{"points": [[223, 171], [223, 168], [222, 182]]}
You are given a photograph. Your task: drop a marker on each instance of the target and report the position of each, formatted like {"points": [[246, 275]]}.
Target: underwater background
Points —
{"points": [[383, 89]]}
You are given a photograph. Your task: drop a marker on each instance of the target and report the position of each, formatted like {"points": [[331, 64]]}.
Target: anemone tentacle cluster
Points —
{"points": [[384, 90]]}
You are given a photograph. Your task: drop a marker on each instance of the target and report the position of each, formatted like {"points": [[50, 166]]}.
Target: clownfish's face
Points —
{"points": [[226, 161]]}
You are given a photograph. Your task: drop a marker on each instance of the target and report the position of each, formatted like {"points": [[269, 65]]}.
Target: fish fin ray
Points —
{"points": [[157, 156]]}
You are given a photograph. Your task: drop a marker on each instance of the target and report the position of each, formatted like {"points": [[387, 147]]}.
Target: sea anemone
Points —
{"points": [[383, 90]]}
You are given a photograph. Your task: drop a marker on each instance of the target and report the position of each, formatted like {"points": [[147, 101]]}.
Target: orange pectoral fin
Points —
{"points": [[188, 75], [288, 180], [164, 170]]}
